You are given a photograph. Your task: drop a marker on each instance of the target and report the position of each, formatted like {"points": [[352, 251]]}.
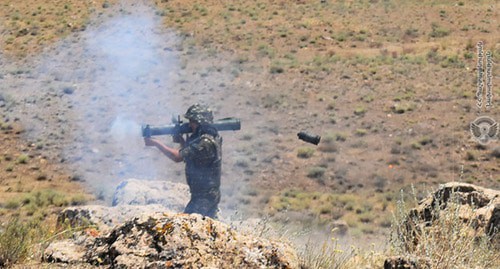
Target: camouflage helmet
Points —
{"points": [[199, 113]]}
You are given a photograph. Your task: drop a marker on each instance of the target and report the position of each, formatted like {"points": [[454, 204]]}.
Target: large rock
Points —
{"points": [[172, 241], [132, 198], [173, 196], [105, 218], [406, 263], [440, 215], [476, 205]]}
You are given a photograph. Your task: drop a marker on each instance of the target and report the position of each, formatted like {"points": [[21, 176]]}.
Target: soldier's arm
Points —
{"points": [[171, 153]]}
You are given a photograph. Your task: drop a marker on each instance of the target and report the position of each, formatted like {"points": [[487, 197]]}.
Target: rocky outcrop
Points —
{"points": [[171, 195], [132, 198], [476, 205], [166, 240], [142, 230], [406, 263], [472, 210], [104, 218]]}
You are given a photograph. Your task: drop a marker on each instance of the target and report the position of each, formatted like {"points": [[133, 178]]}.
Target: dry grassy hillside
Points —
{"points": [[389, 85], [28, 176]]}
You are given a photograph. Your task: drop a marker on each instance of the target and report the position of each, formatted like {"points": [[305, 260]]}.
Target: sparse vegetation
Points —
{"points": [[329, 254], [451, 243], [438, 31], [30, 27], [355, 59], [400, 108], [328, 143], [360, 111], [23, 159], [27, 231], [305, 152], [355, 210], [316, 172], [423, 141], [40, 200], [242, 163], [361, 132], [16, 239]]}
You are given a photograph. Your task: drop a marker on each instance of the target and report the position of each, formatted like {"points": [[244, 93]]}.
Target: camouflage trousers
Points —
{"points": [[204, 203]]}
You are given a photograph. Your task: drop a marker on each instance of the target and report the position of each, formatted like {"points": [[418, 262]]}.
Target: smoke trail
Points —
{"points": [[129, 71], [86, 98], [127, 45]]}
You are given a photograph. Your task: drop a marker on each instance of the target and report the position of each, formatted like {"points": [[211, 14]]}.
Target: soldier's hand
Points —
{"points": [[149, 141], [178, 138]]}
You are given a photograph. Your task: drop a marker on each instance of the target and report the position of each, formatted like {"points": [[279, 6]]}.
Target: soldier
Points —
{"points": [[202, 153]]}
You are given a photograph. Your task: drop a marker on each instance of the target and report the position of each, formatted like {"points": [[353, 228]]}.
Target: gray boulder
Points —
{"points": [[132, 198], [167, 240], [141, 230], [406, 263], [477, 205], [173, 196], [104, 218], [439, 214]]}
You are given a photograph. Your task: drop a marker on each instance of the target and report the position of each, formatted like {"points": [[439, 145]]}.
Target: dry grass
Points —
{"points": [[328, 254], [368, 37], [23, 241], [363, 213], [16, 239], [29, 224], [450, 242], [287, 33], [30, 25]]}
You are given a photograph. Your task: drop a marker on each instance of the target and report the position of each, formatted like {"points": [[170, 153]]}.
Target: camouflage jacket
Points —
{"points": [[203, 156]]}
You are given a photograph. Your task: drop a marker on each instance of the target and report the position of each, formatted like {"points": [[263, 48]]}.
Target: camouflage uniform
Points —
{"points": [[202, 153]]}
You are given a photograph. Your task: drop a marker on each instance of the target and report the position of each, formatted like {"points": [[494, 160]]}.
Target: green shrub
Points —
{"points": [[246, 137], [340, 137], [328, 144], [400, 108], [412, 32], [23, 159], [326, 255], [9, 168], [12, 204], [5, 126], [438, 31], [416, 145], [452, 61], [360, 111], [243, 163], [361, 132], [305, 152], [423, 141], [316, 172], [45, 198], [276, 68], [15, 242]]}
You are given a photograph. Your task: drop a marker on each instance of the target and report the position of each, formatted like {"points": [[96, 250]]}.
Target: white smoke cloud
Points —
{"points": [[92, 92]]}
